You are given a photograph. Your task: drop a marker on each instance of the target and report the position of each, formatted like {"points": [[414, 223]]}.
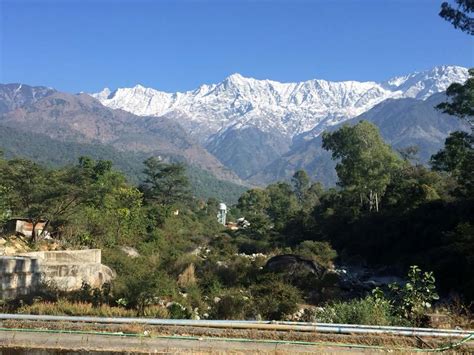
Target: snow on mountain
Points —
{"points": [[271, 106]]}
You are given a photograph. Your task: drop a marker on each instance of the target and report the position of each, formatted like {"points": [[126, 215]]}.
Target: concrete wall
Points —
{"points": [[64, 269], [67, 256], [18, 276]]}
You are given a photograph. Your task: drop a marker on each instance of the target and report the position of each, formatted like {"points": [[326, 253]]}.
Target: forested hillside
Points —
{"points": [[54, 153]]}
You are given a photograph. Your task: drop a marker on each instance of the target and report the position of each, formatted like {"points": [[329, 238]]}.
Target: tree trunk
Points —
{"points": [[33, 231], [376, 202]]}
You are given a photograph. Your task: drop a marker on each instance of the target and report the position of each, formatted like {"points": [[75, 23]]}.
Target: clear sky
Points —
{"points": [[177, 45]]}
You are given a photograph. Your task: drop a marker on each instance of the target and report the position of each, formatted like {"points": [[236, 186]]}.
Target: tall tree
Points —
{"points": [[456, 158], [164, 183], [461, 102], [35, 192], [253, 202], [283, 204], [457, 148], [459, 14], [301, 183], [366, 162]]}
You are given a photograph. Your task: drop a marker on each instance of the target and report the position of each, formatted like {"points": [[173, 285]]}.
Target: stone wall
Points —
{"points": [[65, 269]]}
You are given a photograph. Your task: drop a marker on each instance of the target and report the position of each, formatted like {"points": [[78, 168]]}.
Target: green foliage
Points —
{"points": [[466, 177], [4, 205], [165, 184], [275, 299], [366, 161], [253, 202], [457, 159], [233, 304], [413, 186], [401, 305], [412, 300], [54, 153], [369, 311], [282, 204], [192, 264], [457, 148], [204, 185], [321, 252], [461, 96], [140, 281], [301, 184], [459, 15]]}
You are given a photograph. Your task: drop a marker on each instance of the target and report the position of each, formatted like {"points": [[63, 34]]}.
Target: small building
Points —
{"points": [[24, 226]]}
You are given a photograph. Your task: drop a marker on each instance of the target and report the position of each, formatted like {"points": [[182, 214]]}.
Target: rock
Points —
{"points": [[131, 252], [289, 263], [106, 274]]}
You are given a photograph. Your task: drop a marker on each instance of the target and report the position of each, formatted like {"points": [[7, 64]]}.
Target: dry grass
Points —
{"points": [[68, 308]]}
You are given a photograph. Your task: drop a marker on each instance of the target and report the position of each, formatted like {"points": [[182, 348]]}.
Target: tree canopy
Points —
{"points": [[461, 102], [365, 162], [459, 15]]}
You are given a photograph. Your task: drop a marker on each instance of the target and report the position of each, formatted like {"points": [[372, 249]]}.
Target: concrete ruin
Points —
{"points": [[65, 270]]}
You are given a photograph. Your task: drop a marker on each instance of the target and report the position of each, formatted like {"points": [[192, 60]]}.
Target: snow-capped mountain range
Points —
{"points": [[270, 106]]}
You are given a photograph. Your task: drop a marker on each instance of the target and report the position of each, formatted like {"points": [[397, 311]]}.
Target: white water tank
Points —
{"points": [[221, 215]]}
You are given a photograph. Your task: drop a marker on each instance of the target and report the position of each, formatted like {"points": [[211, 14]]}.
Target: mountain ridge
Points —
{"points": [[402, 123], [81, 118], [291, 108]]}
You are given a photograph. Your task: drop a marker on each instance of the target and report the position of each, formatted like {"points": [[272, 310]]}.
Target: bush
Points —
{"points": [[178, 311], [412, 300], [274, 299], [232, 305], [140, 281], [321, 252], [368, 311]]}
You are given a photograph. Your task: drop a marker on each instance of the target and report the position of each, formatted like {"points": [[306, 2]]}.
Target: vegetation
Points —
{"points": [[462, 98], [386, 211], [54, 153], [367, 310], [459, 15]]}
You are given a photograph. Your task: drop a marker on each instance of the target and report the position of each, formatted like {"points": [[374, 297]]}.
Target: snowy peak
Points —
{"points": [[287, 108], [421, 85]]}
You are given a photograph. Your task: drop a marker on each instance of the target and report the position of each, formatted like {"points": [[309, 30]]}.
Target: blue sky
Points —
{"points": [[178, 45]]}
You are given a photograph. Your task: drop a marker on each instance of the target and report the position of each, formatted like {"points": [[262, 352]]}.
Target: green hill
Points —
{"points": [[51, 152]]}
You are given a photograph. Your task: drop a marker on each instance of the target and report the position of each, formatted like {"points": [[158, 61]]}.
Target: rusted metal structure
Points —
{"points": [[24, 226]]}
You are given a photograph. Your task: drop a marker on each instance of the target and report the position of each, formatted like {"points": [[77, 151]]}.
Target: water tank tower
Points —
{"points": [[221, 215]]}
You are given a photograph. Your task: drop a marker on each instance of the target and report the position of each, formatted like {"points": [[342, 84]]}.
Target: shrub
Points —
{"points": [[274, 299], [178, 311], [156, 311], [68, 308], [412, 300], [320, 252], [187, 278], [232, 305], [368, 311]]}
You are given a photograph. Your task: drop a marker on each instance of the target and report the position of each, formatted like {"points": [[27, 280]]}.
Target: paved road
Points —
{"points": [[48, 342]]}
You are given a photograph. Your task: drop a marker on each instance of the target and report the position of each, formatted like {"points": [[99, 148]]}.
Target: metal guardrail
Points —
{"points": [[263, 325]]}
